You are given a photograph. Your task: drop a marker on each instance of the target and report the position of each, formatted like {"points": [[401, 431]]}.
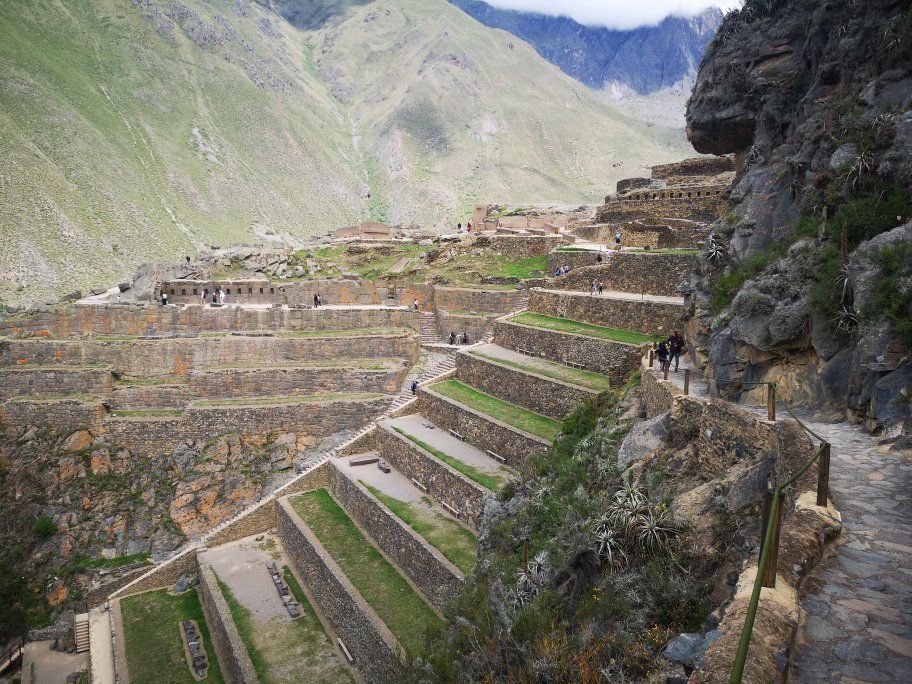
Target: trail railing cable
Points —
{"points": [[772, 511]]}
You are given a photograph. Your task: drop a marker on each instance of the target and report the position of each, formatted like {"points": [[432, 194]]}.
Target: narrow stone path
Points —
{"points": [[858, 603], [620, 296]]}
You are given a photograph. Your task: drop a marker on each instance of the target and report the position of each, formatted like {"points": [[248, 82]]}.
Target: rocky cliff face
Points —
{"points": [[809, 278]]}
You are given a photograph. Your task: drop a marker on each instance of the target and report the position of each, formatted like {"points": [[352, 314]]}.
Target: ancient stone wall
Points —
{"points": [[655, 235], [18, 381], [476, 327], [255, 291], [150, 435], [639, 272], [438, 579], [175, 395], [372, 646], [443, 483], [535, 392], [62, 415], [230, 650], [704, 209], [291, 381], [648, 317], [463, 299], [679, 192], [696, 166], [177, 356], [615, 359], [483, 431], [522, 246], [145, 320], [359, 292], [572, 258]]}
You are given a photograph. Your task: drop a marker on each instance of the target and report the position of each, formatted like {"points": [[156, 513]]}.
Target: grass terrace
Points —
{"points": [[376, 364], [556, 371], [54, 396], [457, 544], [670, 250], [154, 646], [523, 419], [565, 325], [284, 650], [403, 610], [486, 480], [147, 413], [278, 400], [349, 332]]}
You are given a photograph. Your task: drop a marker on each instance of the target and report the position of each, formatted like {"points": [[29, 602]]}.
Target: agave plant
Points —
{"points": [[892, 38], [656, 529], [860, 168], [845, 320], [842, 285], [715, 251], [609, 546]]}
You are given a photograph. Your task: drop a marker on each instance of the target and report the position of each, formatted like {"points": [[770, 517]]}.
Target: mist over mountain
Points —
{"points": [[645, 59]]}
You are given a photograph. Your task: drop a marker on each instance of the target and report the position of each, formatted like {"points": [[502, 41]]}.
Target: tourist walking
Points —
{"points": [[316, 300], [675, 348], [415, 305], [617, 240], [188, 261], [662, 353], [414, 387], [592, 287], [469, 227], [600, 287], [452, 338], [319, 300], [598, 258], [204, 296], [221, 296], [465, 338], [164, 299]]}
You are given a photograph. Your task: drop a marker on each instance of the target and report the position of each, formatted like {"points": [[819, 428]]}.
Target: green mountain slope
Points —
{"points": [[145, 128]]}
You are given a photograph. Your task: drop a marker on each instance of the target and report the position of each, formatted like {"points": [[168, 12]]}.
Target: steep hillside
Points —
{"points": [[143, 129], [645, 59]]}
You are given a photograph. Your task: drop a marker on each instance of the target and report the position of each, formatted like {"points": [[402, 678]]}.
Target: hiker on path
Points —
{"points": [[600, 287], [319, 300], [662, 353], [204, 296], [415, 305], [221, 296], [452, 339], [593, 286], [598, 258], [469, 227], [465, 338], [164, 299], [617, 240], [188, 261], [316, 304], [458, 227], [675, 348], [414, 387]]}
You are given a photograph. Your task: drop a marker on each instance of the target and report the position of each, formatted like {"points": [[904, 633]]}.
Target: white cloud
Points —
{"points": [[617, 14]]}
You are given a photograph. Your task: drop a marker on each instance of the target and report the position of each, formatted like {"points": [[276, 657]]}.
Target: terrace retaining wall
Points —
{"points": [[638, 272], [483, 431], [537, 393], [521, 246], [22, 381], [370, 642], [665, 233], [439, 580], [443, 483], [61, 415], [233, 659], [614, 359], [644, 316], [702, 209]]}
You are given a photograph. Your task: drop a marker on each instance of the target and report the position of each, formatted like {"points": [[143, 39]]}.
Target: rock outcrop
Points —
{"points": [[815, 101]]}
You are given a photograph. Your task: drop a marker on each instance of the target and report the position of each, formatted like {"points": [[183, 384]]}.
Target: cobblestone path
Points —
{"points": [[858, 603]]}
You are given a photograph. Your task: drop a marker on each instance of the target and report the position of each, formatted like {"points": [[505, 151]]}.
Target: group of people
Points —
{"points": [[596, 287], [468, 227], [318, 301], [217, 296], [670, 350], [462, 338]]}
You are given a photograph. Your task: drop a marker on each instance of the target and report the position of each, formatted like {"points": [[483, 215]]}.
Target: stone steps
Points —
{"points": [[81, 629]]}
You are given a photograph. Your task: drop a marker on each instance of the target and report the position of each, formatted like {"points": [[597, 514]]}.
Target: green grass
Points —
{"points": [[353, 332], [549, 369], [402, 609], [533, 423], [492, 482], [456, 543], [155, 652], [143, 382], [287, 651], [54, 396], [374, 364], [578, 328], [81, 562], [267, 401], [150, 413], [524, 268]]}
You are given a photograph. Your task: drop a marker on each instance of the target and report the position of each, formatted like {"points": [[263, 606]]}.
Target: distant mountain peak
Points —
{"points": [[645, 59]]}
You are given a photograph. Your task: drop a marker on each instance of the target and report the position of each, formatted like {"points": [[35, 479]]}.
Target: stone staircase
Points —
{"points": [[427, 328], [81, 629], [435, 369]]}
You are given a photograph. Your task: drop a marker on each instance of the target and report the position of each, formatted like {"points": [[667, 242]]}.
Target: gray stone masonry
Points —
{"points": [[645, 316], [439, 580], [370, 642], [485, 432]]}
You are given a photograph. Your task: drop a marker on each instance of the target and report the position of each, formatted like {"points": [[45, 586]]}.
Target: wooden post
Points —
{"points": [[687, 381], [769, 573], [665, 370], [823, 474], [771, 402], [651, 357]]}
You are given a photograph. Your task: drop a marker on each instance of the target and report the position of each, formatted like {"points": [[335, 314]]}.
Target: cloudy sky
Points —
{"points": [[619, 14]]}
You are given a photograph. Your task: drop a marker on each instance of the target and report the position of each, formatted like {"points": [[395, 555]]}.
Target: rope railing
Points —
{"points": [[772, 512]]}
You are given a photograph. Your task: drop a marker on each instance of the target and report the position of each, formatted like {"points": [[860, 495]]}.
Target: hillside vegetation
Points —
{"points": [[145, 129]]}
